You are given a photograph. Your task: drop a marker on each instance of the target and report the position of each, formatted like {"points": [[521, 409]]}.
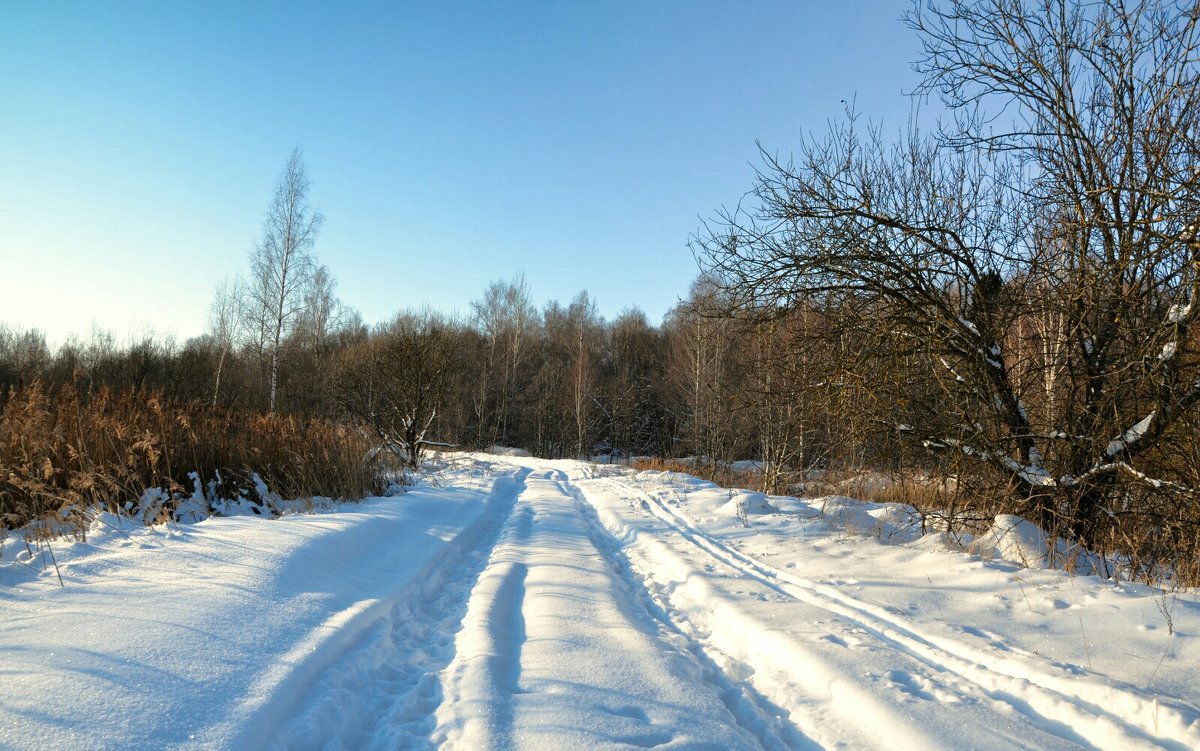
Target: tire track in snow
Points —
{"points": [[753, 711], [484, 675], [589, 666], [1082, 712], [492, 666], [382, 693], [819, 701]]}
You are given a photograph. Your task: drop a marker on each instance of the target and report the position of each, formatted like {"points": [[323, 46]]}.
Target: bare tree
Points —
{"points": [[633, 384], [397, 381], [1105, 99], [583, 345], [282, 265], [322, 312], [786, 390], [508, 321], [24, 356], [225, 323], [701, 344], [1001, 262]]}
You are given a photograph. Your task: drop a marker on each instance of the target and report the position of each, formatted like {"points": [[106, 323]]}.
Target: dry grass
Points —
{"points": [[67, 452], [914, 489], [1158, 544], [718, 472], [1150, 537], [919, 491]]}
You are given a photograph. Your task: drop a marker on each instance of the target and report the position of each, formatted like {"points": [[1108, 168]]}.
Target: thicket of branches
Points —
{"points": [[1023, 281], [559, 381]]}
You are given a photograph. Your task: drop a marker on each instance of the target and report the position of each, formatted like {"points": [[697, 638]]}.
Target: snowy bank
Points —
{"points": [[198, 635]]}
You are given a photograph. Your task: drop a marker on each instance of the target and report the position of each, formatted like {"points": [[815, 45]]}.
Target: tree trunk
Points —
{"points": [[220, 367], [274, 377]]}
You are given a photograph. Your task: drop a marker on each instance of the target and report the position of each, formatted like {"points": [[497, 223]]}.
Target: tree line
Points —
{"points": [[559, 381]]}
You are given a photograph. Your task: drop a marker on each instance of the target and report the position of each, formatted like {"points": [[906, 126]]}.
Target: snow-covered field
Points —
{"points": [[513, 602]]}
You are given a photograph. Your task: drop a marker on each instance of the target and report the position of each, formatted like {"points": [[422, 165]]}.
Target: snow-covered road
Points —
{"points": [[519, 603], [557, 650]]}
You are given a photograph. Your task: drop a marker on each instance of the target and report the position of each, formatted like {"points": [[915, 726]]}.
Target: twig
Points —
{"points": [[55, 562], [1162, 659], [1086, 651]]}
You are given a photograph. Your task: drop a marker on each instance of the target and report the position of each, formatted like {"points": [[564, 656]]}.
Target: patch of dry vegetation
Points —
{"points": [[67, 452], [719, 472]]}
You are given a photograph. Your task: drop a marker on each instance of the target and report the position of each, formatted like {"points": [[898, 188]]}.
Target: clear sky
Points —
{"points": [[449, 144]]}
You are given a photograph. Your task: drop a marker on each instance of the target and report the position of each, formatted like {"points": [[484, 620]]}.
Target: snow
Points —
{"points": [[1129, 437], [514, 602], [1034, 474], [507, 451], [1012, 538], [556, 650], [748, 465], [1030, 473], [844, 513], [1020, 541], [746, 503], [200, 634]]}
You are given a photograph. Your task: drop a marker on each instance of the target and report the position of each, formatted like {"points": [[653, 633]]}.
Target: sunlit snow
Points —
{"points": [[512, 602]]}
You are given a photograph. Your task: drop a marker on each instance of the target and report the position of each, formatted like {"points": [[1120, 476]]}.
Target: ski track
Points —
{"points": [[1076, 710], [509, 640], [383, 691], [766, 721]]}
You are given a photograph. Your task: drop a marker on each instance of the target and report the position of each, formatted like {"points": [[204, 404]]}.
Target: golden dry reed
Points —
{"points": [[65, 453]]}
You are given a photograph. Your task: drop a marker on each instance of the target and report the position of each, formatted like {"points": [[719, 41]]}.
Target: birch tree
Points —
{"points": [[507, 319], [582, 347], [282, 264], [225, 323]]}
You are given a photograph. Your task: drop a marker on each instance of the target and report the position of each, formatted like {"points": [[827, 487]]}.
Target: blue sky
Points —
{"points": [[449, 145]]}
